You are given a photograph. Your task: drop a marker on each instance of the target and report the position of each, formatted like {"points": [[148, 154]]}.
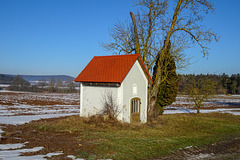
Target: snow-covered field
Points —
{"points": [[219, 103], [23, 107]]}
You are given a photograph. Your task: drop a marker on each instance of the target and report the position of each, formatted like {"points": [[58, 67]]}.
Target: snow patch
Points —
{"points": [[73, 157], [54, 154], [11, 146], [14, 120], [200, 156], [1, 131], [14, 154]]}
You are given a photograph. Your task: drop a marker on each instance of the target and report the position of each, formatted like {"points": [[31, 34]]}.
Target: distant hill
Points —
{"points": [[8, 78], [30, 78]]}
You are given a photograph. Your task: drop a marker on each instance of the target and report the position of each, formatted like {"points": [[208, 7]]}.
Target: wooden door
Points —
{"points": [[135, 110]]}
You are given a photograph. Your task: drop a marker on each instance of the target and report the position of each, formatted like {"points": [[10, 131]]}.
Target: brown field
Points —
{"points": [[41, 99]]}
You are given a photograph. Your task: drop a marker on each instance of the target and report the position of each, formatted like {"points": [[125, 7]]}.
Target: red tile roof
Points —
{"points": [[112, 69]]}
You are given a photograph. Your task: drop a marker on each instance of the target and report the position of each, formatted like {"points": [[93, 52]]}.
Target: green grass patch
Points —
{"points": [[129, 141]]}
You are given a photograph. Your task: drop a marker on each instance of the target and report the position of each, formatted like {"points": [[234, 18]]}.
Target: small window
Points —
{"points": [[134, 89]]}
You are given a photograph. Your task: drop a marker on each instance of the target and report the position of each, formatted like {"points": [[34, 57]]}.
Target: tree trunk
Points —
{"points": [[198, 110], [157, 77], [137, 46]]}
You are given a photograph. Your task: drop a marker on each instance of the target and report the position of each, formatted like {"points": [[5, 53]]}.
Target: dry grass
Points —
{"points": [[126, 141]]}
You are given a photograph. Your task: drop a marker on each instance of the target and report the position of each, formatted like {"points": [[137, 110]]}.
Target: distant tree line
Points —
{"points": [[6, 79], [224, 84], [59, 87], [19, 84]]}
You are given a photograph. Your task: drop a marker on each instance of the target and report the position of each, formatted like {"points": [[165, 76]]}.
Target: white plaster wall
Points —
{"points": [[81, 98], [92, 99], [135, 76]]}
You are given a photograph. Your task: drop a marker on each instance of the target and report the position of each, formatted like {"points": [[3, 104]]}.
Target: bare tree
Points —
{"points": [[71, 86], [156, 27], [51, 85], [59, 85], [185, 22], [145, 35], [42, 83], [199, 91]]}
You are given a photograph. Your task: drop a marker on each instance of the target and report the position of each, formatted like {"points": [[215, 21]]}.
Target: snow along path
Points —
{"points": [[15, 154], [14, 120], [175, 110]]}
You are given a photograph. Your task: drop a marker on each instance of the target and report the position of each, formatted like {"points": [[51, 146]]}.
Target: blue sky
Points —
{"points": [[43, 37]]}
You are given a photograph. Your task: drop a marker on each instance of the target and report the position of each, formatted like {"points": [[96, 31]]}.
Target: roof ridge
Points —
{"points": [[117, 56]]}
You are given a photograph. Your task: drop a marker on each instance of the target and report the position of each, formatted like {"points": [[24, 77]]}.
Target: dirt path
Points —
{"points": [[224, 150]]}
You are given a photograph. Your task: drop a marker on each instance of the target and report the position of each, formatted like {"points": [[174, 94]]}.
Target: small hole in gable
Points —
{"points": [[134, 89]]}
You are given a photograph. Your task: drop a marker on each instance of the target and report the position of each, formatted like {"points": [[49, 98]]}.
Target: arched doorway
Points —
{"points": [[135, 110]]}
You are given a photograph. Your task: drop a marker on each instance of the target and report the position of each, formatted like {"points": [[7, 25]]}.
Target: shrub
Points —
{"points": [[110, 106]]}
